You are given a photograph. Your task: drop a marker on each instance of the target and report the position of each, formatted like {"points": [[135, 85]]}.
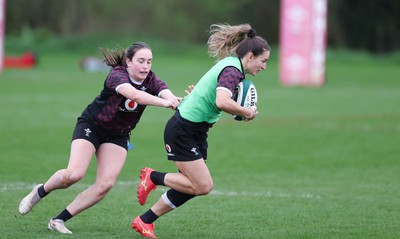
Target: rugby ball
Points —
{"points": [[245, 95]]}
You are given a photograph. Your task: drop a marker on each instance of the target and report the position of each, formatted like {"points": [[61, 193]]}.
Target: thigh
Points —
{"points": [[80, 156], [110, 161]]}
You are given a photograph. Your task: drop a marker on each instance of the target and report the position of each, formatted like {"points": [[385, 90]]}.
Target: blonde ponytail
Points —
{"points": [[224, 39]]}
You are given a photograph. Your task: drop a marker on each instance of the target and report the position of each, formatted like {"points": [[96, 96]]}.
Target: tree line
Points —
{"points": [[371, 25]]}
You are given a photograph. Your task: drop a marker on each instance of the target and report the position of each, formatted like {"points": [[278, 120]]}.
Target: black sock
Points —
{"points": [[64, 215], [177, 198], [148, 217], [41, 192], [157, 178]]}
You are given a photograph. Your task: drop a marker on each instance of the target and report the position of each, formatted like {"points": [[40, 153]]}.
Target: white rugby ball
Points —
{"points": [[245, 95]]}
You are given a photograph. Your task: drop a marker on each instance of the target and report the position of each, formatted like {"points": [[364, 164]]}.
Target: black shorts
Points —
{"points": [[98, 135], [185, 140]]}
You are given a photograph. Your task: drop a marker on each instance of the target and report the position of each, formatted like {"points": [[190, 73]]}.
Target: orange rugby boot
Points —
{"points": [[145, 185], [147, 230]]}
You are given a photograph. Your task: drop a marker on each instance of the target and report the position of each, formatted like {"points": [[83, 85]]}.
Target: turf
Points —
{"points": [[316, 163]]}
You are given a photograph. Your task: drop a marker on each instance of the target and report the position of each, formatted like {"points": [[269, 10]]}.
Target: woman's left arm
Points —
{"points": [[168, 95]]}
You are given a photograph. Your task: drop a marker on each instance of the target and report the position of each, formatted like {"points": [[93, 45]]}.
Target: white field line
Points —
{"points": [[356, 127], [20, 186]]}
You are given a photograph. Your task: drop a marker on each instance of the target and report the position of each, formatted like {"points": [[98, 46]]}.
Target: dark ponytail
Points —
{"points": [[117, 57], [251, 33]]}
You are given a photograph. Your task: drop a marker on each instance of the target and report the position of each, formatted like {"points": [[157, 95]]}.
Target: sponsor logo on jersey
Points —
{"points": [[130, 105]]}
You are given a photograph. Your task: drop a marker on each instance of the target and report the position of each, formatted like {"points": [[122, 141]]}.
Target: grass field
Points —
{"points": [[316, 163]]}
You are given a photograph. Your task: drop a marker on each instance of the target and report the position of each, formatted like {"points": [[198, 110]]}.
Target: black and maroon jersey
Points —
{"points": [[230, 77], [113, 111]]}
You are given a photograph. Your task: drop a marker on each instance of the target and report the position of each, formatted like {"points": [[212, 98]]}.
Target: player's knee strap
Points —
{"points": [[175, 199]]}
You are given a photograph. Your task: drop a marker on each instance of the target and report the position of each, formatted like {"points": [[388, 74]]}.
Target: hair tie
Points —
{"points": [[251, 33]]}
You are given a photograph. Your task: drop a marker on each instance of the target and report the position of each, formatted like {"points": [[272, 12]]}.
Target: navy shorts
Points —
{"points": [[98, 135], [185, 140]]}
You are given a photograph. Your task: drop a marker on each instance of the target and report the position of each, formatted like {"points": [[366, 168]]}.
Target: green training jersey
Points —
{"points": [[200, 105]]}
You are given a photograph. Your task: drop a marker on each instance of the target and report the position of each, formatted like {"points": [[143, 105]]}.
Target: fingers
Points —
{"points": [[173, 103], [253, 113], [190, 88], [254, 109]]}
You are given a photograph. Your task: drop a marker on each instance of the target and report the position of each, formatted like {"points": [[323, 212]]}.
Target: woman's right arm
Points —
{"points": [[225, 103], [145, 98]]}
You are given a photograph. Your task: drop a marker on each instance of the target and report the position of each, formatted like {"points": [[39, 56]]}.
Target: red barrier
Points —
{"points": [[27, 60]]}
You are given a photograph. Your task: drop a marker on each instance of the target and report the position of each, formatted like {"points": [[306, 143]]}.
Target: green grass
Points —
{"points": [[316, 163]]}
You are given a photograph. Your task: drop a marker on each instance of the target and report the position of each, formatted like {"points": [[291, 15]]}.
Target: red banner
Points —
{"points": [[302, 47]]}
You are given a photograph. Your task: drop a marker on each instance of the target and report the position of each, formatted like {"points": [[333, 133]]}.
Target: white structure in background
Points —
{"points": [[302, 47]]}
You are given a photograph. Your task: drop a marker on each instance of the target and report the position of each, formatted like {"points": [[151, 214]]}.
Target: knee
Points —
{"points": [[205, 188], [104, 187], [68, 178]]}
